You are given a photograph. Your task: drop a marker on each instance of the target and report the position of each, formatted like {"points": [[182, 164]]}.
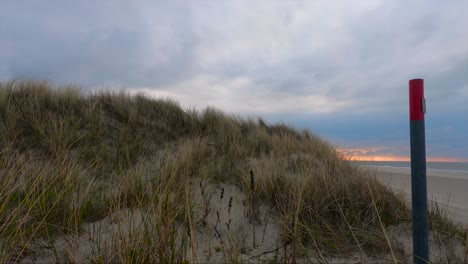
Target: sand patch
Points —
{"points": [[227, 227]]}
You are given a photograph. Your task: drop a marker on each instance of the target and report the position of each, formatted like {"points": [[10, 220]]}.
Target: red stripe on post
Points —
{"points": [[416, 97]]}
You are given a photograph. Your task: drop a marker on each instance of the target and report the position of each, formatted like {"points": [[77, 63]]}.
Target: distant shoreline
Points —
{"points": [[447, 188], [429, 169], [441, 166], [442, 173]]}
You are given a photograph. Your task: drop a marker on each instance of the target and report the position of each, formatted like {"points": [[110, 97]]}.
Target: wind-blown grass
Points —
{"points": [[69, 159]]}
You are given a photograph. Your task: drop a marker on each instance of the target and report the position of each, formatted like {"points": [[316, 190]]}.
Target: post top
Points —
{"points": [[416, 99]]}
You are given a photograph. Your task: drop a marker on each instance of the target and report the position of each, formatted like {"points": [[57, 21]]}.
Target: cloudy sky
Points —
{"points": [[338, 68]]}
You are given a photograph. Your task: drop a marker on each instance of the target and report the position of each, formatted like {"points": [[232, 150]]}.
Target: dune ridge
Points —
{"points": [[108, 177]]}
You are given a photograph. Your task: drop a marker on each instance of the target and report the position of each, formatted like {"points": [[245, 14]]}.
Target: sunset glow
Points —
{"points": [[367, 155]]}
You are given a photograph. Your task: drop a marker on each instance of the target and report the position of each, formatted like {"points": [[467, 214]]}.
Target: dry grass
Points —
{"points": [[71, 160]]}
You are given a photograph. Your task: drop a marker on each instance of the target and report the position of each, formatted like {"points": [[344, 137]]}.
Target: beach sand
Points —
{"points": [[447, 188]]}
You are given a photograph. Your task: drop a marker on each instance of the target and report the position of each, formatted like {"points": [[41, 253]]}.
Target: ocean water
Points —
{"points": [[461, 167]]}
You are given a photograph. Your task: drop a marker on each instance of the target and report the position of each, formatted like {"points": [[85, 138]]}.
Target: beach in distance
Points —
{"points": [[447, 183]]}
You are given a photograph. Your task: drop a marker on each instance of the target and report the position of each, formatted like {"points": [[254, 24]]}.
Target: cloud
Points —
{"points": [[242, 95], [102, 43], [329, 49], [338, 67], [341, 51]]}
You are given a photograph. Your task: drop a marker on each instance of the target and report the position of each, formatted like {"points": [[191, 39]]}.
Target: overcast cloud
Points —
{"points": [[340, 68]]}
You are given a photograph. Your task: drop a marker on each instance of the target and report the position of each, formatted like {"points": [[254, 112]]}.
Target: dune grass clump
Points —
{"points": [[73, 163]]}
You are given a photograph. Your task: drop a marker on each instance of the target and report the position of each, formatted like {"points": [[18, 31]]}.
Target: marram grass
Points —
{"points": [[70, 159]]}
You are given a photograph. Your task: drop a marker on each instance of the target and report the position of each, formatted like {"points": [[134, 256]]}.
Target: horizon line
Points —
{"points": [[401, 158]]}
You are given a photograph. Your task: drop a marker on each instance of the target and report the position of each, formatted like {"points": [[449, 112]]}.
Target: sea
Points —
{"points": [[459, 167]]}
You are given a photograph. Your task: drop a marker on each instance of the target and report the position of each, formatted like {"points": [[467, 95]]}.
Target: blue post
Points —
{"points": [[418, 172]]}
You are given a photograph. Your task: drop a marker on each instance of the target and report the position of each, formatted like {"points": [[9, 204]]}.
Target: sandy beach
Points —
{"points": [[449, 188]]}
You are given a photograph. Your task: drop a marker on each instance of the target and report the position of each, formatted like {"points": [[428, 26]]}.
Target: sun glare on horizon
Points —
{"points": [[367, 155]]}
